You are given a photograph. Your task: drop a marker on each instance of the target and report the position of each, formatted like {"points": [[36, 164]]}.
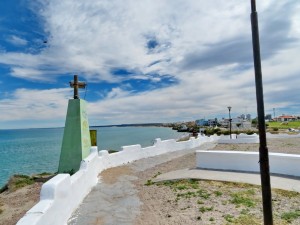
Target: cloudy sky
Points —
{"points": [[144, 61]]}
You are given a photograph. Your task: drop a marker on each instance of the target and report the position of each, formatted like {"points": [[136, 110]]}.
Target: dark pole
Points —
{"points": [[76, 96], [229, 108], [263, 149]]}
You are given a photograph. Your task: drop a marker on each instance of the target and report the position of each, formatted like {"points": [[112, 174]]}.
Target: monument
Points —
{"points": [[76, 142]]}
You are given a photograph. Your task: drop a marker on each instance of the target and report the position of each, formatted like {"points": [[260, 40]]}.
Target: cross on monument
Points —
{"points": [[77, 84]]}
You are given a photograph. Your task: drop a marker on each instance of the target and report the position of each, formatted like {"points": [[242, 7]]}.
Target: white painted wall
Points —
{"points": [[286, 164], [239, 139], [61, 195]]}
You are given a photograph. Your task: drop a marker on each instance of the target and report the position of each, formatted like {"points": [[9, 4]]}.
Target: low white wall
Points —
{"points": [[239, 139], [61, 195], [286, 164], [281, 135]]}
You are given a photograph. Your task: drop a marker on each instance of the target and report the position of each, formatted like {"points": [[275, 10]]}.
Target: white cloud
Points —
{"points": [[205, 45], [27, 104], [13, 39]]}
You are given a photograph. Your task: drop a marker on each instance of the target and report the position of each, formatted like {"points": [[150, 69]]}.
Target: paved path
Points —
{"points": [[281, 182], [114, 200]]}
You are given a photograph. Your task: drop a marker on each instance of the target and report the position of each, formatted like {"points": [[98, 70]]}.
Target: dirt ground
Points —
{"points": [[185, 202], [210, 202], [13, 205]]}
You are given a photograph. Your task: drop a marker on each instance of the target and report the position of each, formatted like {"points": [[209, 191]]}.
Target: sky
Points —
{"points": [[144, 61]]}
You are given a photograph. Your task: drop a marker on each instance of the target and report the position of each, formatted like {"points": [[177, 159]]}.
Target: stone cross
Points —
{"points": [[77, 84]]}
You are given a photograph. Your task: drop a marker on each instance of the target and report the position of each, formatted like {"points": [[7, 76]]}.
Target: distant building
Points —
{"points": [[209, 122], [285, 118], [212, 122], [268, 117], [248, 117], [236, 124], [224, 122], [202, 122]]}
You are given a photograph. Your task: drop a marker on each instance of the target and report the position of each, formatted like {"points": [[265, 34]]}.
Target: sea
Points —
{"points": [[33, 151]]}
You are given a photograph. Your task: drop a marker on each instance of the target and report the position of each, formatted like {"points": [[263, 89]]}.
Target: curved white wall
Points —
{"points": [[61, 195], [239, 139]]}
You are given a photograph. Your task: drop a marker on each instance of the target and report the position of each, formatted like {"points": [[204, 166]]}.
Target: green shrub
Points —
{"points": [[216, 130], [250, 132], [226, 132], [275, 128]]}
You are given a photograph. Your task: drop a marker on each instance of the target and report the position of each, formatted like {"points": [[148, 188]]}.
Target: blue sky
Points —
{"points": [[145, 61]]}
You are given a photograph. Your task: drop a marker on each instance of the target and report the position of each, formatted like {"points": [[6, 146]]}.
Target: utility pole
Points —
{"points": [[229, 109], [263, 149]]}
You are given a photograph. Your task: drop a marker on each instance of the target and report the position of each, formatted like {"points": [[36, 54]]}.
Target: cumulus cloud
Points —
{"points": [[205, 47], [32, 104]]}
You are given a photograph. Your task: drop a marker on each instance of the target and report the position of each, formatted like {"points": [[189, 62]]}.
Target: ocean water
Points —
{"points": [[31, 151]]}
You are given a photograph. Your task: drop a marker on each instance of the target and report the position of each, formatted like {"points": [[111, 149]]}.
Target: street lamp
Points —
{"points": [[229, 108]]}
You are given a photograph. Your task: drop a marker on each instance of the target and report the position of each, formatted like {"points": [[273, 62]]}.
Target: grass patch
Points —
{"points": [[200, 202], [218, 193], [247, 219], [290, 216], [229, 218], [180, 184], [18, 181], [280, 125], [203, 194], [157, 174], [288, 194], [204, 209], [149, 182], [188, 194], [244, 198]]}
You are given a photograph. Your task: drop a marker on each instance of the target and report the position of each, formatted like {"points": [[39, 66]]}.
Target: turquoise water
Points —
{"points": [[30, 151]]}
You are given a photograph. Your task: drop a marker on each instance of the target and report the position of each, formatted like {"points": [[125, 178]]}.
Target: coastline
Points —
{"points": [[147, 194]]}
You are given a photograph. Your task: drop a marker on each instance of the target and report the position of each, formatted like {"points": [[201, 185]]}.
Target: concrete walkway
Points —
{"points": [[277, 181], [111, 203], [117, 202]]}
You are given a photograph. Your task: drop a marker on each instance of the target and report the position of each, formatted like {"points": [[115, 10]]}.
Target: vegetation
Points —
{"points": [[288, 194], [1, 210], [19, 181], [205, 209], [281, 125], [244, 200], [290, 216], [218, 131]]}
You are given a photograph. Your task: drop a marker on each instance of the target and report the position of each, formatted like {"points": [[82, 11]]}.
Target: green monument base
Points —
{"points": [[76, 140]]}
